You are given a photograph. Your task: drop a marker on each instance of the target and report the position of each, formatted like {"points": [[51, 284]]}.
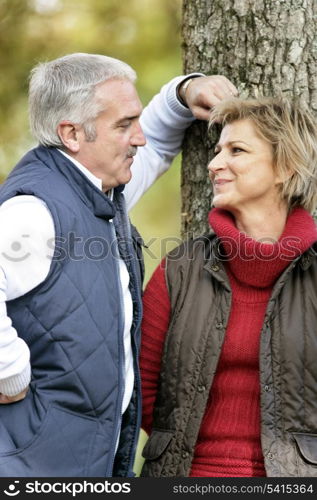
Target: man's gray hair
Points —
{"points": [[64, 89]]}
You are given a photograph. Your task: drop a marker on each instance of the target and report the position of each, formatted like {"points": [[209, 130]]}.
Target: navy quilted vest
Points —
{"points": [[73, 324]]}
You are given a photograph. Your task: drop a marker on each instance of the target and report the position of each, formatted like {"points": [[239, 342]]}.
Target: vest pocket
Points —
{"points": [[61, 448], [307, 446], [157, 444]]}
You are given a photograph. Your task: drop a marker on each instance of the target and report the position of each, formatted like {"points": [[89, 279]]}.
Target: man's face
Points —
{"points": [[118, 134]]}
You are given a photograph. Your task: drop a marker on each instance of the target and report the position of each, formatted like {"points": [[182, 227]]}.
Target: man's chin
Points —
{"points": [[126, 177]]}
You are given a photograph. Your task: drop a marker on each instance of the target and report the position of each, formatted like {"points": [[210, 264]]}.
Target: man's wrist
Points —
{"points": [[183, 86], [11, 386], [181, 91]]}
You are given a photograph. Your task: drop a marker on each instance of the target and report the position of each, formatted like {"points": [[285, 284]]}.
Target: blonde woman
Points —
{"points": [[229, 345]]}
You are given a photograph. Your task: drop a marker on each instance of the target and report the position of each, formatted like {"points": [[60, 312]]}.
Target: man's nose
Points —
{"points": [[138, 138]]}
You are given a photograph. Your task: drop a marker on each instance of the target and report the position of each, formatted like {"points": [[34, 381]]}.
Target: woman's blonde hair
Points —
{"points": [[292, 132]]}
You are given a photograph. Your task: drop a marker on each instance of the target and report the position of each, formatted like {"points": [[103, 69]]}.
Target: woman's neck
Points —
{"points": [[266, 226]]}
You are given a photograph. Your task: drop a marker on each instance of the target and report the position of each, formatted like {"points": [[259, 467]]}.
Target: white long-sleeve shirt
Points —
{"points": [[26, 227]]}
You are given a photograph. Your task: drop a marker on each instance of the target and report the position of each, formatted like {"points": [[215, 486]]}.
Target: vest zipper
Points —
{"points": [[118, 414], [135, 347]]}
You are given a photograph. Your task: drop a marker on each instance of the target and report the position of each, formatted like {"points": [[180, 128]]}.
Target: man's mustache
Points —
{"points": [[132, 151]]}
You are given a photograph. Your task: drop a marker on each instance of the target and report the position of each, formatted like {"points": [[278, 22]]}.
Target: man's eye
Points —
{"points": [[125, 124]]}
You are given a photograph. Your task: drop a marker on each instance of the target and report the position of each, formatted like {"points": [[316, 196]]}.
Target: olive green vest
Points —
{"points": [[200, 298]]}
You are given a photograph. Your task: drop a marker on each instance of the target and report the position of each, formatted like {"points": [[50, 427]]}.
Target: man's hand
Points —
{"points": [[4, 400], [202, 93]]}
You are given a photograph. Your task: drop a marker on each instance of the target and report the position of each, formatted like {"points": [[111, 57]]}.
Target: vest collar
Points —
{"points": [[98, 201], [308, 257]]}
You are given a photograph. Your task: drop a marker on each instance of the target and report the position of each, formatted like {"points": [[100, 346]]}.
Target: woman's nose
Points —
{"points": [[217, 163]]}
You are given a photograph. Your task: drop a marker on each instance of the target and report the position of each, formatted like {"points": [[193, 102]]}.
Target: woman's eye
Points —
{"points": [[237, 150]]}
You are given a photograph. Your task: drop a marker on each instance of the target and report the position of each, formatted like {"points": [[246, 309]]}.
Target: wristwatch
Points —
{"points": [[182, 90]]}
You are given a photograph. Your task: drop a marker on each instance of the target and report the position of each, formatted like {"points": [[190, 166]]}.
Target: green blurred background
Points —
{"points": [[144, 33]]}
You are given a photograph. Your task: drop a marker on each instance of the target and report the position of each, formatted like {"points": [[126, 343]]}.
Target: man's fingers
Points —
{"points": [[203, 93], [4, 400], [220, 88], [201, 113], [229, 85]]}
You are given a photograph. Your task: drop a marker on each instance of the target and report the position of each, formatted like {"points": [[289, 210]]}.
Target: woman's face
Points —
{"points": [[242, 171]]}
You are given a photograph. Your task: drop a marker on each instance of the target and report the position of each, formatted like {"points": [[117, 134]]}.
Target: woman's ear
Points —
{"points": [[283, 176]]}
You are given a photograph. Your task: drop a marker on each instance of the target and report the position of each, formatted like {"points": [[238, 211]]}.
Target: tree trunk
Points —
{"points": [[264, 48]]}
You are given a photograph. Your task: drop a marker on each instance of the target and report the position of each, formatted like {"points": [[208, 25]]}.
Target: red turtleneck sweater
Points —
{"points": [[229, 439]]}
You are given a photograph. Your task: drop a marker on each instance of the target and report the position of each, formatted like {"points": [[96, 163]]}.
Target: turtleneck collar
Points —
{"points": [[258, 264]]}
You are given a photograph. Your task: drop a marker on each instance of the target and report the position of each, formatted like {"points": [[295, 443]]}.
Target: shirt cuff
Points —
{"points": [[15, 384], [172, 98]]}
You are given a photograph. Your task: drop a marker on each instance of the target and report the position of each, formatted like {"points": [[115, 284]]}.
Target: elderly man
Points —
{"points": [[70, 279]]}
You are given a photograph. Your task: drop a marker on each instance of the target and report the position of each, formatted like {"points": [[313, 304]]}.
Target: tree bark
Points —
{"points": [[264, 48]]}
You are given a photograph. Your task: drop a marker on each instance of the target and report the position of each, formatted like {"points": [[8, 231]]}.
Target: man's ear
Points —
{"points": [[68, 134]]}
